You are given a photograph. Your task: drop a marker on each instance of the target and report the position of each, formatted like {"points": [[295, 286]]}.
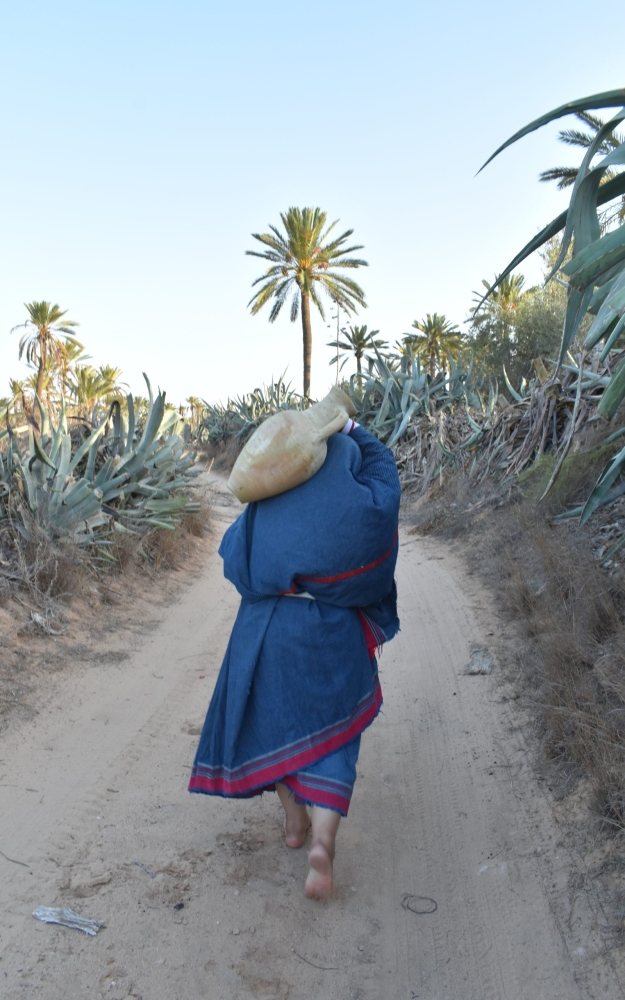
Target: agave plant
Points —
{"points": [[116, 477], [393, 398], [596, 269], [240, 416]]}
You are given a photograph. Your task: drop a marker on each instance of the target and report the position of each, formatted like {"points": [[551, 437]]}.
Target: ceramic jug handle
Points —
{"points": [[335, 425]]}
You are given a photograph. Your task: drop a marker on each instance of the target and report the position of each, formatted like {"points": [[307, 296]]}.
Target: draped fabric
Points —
{"points": [[299, 679]]}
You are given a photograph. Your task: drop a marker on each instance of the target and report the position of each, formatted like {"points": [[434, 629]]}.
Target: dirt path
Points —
{"points": [[445, 808]]}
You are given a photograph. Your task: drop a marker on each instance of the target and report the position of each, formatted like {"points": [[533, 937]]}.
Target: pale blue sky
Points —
{"points": [[144, 142]]}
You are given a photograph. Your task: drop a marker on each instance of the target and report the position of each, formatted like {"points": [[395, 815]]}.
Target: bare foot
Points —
{"points": [[296, 829], [319, 884], [296, 818]]}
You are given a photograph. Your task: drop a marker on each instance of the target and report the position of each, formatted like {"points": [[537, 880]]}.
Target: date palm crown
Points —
{"points": [[304, 262]]}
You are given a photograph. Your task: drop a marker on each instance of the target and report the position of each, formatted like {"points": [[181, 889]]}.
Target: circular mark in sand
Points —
{"points": [[419, 904]]}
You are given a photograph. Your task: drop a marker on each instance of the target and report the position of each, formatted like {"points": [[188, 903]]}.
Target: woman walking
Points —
{"points": [[315, 570]]}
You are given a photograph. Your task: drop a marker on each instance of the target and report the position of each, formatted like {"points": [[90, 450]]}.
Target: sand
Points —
{"points": [[447, 869]]}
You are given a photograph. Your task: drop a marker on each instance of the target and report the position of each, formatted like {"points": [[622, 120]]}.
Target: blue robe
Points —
{"points": [[299, 679]]}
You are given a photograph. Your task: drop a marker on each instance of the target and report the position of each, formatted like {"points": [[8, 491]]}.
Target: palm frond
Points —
{"points": [[565, 176]]}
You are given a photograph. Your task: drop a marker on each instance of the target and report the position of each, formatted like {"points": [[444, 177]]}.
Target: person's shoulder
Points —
{"points": [[343, 451]]}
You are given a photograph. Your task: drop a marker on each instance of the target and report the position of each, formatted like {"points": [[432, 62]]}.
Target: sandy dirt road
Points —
{"points": [[446, 818]]}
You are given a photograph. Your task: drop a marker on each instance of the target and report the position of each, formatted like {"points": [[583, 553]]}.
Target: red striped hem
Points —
{"points": [[292, 750], [351, 572], [317, 796], [253, 783]]}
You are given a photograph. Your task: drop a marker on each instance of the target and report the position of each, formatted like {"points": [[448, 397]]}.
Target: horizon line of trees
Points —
{"points": [[60, 370], [515, 327]]}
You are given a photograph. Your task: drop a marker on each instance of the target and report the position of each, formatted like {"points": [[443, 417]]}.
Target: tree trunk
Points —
{"points": [[307, 334], [42, 369], [432, 365], [358, 367]]}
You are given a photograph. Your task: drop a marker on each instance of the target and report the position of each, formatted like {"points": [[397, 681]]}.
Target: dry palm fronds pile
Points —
{"points": [[431, 444], [506, 442]]}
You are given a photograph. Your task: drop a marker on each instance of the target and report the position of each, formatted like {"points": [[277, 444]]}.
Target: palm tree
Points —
{"points": [[111, 384], [196, 406], [41, 340], [142, 407], [357, 340], [438, 339], [502, 306], [566, 176], [74, 353], [88, 388], [16, 388], [402, 348], [303, 261]]}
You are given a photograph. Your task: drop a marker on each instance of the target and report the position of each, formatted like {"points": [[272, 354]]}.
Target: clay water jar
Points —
{"points": [[288, 448]]}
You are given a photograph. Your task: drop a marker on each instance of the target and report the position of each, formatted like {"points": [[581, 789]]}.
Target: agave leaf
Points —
{"points": [[582, 219], [604, 483], [86, 445], [90, 469], [13, 431], [116, 413], [617, 156], [613, 393], [57, 485], [76, 493], [404, 423], [473, 440], [600, 295], [169, 419], [612, 339], [476, 427], [59, 432], [45, 418], [113, 484], [606, 99], [171, 505], [131, 423], [71, 519], [135, 458], [103, 474], [576, 306], [513, 392], [596, 259], [28, 483], [41, 455], [613, 550], [612, 307]]}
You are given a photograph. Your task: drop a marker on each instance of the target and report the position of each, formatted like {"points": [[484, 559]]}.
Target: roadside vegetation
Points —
{"points": [[90, 476]]}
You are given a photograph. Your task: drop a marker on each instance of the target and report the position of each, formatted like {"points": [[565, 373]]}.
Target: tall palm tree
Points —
{"points": [[357, 340], [41, 339], [303, 262], [438, 339]]}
